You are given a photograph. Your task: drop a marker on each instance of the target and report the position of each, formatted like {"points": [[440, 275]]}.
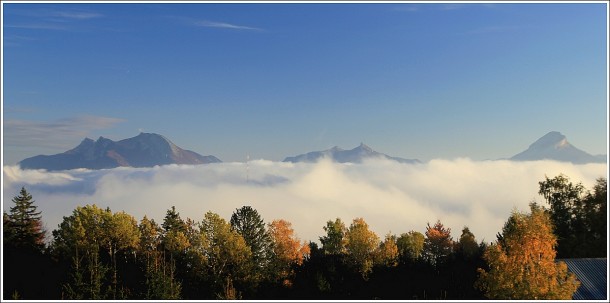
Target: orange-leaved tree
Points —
{"points": [[287, 250], [522, 262], [438, 244]]}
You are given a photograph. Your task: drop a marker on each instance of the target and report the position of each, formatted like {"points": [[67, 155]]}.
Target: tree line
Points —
{"points": [[99, 254]]}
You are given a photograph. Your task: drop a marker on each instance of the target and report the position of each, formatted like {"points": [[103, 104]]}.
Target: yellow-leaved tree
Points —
{"points": [[361, 244], [522, 262]]}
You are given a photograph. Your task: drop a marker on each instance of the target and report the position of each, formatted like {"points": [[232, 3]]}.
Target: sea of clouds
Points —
{"points": [[390, 196]]}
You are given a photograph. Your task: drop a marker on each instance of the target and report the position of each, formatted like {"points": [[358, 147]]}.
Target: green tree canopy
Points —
{"points": [[410, 245], [578, 215], [334, 241], [227, 253]]}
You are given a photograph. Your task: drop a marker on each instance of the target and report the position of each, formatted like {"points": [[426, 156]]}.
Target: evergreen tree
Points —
{"points": [[249, 224], [173, 222], [23, 224], [467, 245]]}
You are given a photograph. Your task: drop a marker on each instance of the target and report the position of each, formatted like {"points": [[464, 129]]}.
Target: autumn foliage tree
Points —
{"points": [[99, 254], [387, 253], [438, 243], [287, 250], [361, 244], [522, 262]]}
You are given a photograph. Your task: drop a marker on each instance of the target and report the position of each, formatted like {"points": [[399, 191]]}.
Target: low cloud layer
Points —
{"points": [[391, 197]]}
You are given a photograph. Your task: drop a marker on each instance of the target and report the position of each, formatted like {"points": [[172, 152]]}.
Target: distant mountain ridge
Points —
{"points": [[555, 146], [143, 150], [148, 150], [337, 154]]}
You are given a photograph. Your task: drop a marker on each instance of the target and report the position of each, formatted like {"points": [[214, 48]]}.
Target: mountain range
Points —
{"points": [[143, 150], [148, 150], [355, 155]]}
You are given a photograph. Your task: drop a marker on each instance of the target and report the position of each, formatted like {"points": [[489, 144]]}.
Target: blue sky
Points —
{"points": [[273, 80]]}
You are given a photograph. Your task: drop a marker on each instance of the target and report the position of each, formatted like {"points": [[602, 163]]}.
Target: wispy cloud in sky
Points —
{"points": [[34, 25], [53, 134], [205, 23], [492, 29], [76, 14], [50, 19], [79, 15]]}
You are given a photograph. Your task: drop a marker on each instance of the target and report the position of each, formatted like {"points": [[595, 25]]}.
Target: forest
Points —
{"points": [[96, 253]]}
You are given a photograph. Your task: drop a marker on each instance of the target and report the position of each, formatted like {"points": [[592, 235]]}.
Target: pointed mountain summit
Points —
{"points": [[337, 154], [143, 150], [555, 146]]}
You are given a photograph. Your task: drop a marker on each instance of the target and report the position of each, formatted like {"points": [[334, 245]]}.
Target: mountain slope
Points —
{"points": [[356, 155], [555, 146], [144, 150]]}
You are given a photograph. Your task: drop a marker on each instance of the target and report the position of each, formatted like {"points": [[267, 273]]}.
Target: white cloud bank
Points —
{"points": [[391, 197]]}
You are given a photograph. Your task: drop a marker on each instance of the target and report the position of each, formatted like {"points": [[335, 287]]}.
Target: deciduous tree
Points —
{"points": [[360, 246], [410, 245], [334, 241], [387, 253], [287, 250], [438, 243], [227, 254], [522, 262]]}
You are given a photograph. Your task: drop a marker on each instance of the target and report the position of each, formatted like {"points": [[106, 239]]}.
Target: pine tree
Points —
{"points": [[467, 245], [23, 225], [249, 224]]}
